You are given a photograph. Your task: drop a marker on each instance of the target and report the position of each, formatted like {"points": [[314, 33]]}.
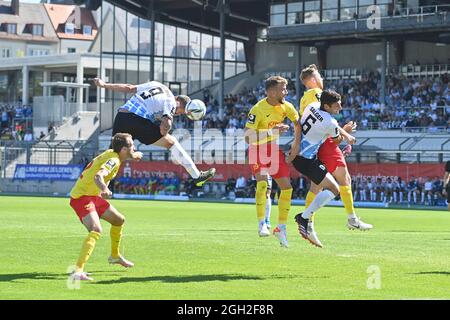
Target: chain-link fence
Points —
{"points": [[44, 152]]}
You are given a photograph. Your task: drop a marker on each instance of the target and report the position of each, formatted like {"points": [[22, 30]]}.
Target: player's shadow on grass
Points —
{"points": [[31, 276], [446, 273], [183, 279], [41, 276]]}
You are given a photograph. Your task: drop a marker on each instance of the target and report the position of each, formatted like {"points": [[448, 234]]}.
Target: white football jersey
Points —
{"points": [[317, 126], [152, 101]]}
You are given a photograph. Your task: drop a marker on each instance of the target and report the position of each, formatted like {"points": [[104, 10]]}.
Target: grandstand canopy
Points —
{"points": [[243, 17]]}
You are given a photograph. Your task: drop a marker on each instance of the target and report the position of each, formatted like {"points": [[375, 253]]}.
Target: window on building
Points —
{"points": [[5, 52], [365, 8], [11, 28], [69, 28], [295, 13], [348, 9], [37, 30], [385, 7], [329, 10], [87, 30], [71, 50], [278, 14], [312, 11], [39, 52]]}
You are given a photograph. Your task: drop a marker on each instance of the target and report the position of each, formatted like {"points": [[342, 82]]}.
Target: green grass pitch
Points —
{"points": [[212, 251]]}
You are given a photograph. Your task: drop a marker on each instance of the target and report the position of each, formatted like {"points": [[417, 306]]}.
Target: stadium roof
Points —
{"points": [[243, 17]]}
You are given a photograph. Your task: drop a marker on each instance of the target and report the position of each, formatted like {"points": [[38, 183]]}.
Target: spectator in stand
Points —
{"points": [[427, 192], [173, 184], [388, 191], [412, 190], [370, 189], [241, 184], [28, 137], [230, 187]]}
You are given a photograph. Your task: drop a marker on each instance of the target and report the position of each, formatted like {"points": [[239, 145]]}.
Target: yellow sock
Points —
{"points": [[86, 249], [347, 198], [260, 198], [309, 199], [284, 205], [116, 235]]}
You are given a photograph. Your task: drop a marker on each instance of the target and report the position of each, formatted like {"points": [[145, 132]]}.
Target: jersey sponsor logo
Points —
{"points": [[273, 124], [89, 206], [110, 164], [251, 118]]}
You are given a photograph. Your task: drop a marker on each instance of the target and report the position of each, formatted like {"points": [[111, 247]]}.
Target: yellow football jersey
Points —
{"points": [[85, 185], [310, 96], [264, 116]]}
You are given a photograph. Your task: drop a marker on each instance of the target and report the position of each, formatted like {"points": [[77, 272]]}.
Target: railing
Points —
{"points": [[411, 70], [43, 152], [429, 130], [413, 11]]}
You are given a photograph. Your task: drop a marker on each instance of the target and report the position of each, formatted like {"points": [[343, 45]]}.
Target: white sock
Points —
{"points": [[352, 216], [180, 155], [321, 199], [268, 208], [261, 223]]}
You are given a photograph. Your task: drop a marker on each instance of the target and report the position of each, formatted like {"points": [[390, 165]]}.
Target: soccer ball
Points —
{"points": [[195, 109]]}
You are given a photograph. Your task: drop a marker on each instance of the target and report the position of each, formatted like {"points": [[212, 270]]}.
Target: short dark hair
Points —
{"points": [[328, 97], [308, 72], [184, 100], [274, 81], [119, 140]]}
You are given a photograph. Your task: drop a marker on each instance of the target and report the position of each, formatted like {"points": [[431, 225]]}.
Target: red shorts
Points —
{"points": [[87, 204], [268, 159], [331, 156]]}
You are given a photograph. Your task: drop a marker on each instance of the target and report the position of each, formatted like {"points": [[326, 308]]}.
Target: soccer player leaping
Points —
{"points": [[264, 125], [329, 153], [317, 125], [88, 196], [148, 115]]}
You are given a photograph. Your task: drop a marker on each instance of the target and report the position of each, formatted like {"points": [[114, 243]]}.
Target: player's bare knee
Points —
{"points": [[170, 141], [333, 186], [96, 228]]}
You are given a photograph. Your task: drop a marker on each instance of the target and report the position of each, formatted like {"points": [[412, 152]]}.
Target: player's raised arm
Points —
{"points": [[120, 87], [295, 147]]}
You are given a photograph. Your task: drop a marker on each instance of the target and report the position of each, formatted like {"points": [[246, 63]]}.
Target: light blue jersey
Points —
{"points": [[317, 126], [152, 101]]}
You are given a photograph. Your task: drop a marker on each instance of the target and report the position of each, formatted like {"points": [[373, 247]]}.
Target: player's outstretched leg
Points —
{"points": [[204, 176], [306, 230]]}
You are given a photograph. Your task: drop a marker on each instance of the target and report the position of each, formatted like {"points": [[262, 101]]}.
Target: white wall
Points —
{"points": [[23, 48], [81, 46]]}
